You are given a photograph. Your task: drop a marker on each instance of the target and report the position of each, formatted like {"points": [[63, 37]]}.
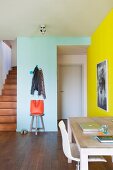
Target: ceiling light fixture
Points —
{"points": [[43, 29]]}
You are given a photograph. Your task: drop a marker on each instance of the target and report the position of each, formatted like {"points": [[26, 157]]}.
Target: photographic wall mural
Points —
{"points": [[102, 89]]}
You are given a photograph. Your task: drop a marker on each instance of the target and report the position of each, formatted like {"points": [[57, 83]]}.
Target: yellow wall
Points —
{"points": [[101, 49]]}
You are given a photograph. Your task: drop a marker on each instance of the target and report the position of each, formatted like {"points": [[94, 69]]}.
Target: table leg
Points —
{"points": [[69, 132], [70, 137], [112, 158], [83, 160]]}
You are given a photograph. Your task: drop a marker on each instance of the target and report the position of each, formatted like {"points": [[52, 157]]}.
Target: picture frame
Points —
{"points": [[102, 85]]}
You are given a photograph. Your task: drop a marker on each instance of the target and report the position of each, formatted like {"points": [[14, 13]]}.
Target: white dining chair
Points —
{"points": [[71, 150]]}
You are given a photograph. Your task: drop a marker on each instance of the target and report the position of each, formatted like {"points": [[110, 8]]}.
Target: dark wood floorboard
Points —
{"points": [[41, 152]]}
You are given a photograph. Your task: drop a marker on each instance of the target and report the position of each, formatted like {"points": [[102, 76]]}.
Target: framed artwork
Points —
{"points": [[102, 85]]}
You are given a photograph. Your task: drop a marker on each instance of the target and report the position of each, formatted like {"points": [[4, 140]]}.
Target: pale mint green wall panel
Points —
{"points": [[41, 51], [73, 41]]}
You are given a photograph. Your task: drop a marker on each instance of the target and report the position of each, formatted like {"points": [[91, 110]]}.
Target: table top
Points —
{"points": [[88, 139]]}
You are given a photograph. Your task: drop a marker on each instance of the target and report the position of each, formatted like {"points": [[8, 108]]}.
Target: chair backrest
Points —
{"points": [[65, 140]]}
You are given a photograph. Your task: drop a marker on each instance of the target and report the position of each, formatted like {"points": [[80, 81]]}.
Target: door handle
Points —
{"points": [[61, 91]]}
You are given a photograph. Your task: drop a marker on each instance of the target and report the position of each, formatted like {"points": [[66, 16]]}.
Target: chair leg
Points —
{"points": [[42, 122], [36, 125], [31, 126], [36, 129], [78, 166]]}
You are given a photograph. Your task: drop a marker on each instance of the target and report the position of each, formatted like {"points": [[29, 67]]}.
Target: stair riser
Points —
{"points": [[7, 105], [11, 81], [8, 112], [9, 92], [7, 119], [14, 72], [8, 98], [11, 76], [10, 86], [8, 127]]}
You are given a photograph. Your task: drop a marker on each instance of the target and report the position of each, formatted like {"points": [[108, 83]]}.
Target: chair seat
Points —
{"points": [[76, 154], [36, 114]]}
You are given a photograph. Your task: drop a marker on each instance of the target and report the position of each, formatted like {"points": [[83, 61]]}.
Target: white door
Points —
{"points": [[69, 91]]}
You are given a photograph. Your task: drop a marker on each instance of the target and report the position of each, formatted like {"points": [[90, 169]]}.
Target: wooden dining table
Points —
{"points": [[86, 141]]}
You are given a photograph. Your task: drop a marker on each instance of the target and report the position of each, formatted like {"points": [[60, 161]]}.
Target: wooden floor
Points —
{"points": [[41, 152]]}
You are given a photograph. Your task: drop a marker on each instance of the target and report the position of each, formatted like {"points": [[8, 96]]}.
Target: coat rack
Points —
{"points": [[31, 71]]}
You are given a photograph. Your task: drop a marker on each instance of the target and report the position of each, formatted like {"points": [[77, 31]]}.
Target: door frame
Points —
{"points": [[77, 60]]}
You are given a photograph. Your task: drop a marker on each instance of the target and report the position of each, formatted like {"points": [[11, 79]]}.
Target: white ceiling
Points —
{"points": [[62, 17]]}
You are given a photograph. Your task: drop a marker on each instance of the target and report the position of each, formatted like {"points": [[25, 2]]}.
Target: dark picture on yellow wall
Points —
{"points": [[102, 85]]}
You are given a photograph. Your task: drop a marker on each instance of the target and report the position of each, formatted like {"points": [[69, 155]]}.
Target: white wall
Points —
{"points": [[79, 60], [14, 53], [5, 62], [1, 67]]}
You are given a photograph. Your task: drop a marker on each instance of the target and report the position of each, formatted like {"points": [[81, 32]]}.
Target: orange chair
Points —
{"points": [[37, 111]]}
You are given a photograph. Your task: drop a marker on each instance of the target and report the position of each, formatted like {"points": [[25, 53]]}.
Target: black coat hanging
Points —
{"points": [[38, 82]]}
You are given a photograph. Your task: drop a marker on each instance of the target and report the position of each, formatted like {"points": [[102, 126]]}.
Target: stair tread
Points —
{"points": [[9, 90], [8, 102], [8, 123], [8, 109]]}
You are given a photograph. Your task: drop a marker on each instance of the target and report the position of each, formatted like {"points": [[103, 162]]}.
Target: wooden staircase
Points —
{"points": [[8, 102]]}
